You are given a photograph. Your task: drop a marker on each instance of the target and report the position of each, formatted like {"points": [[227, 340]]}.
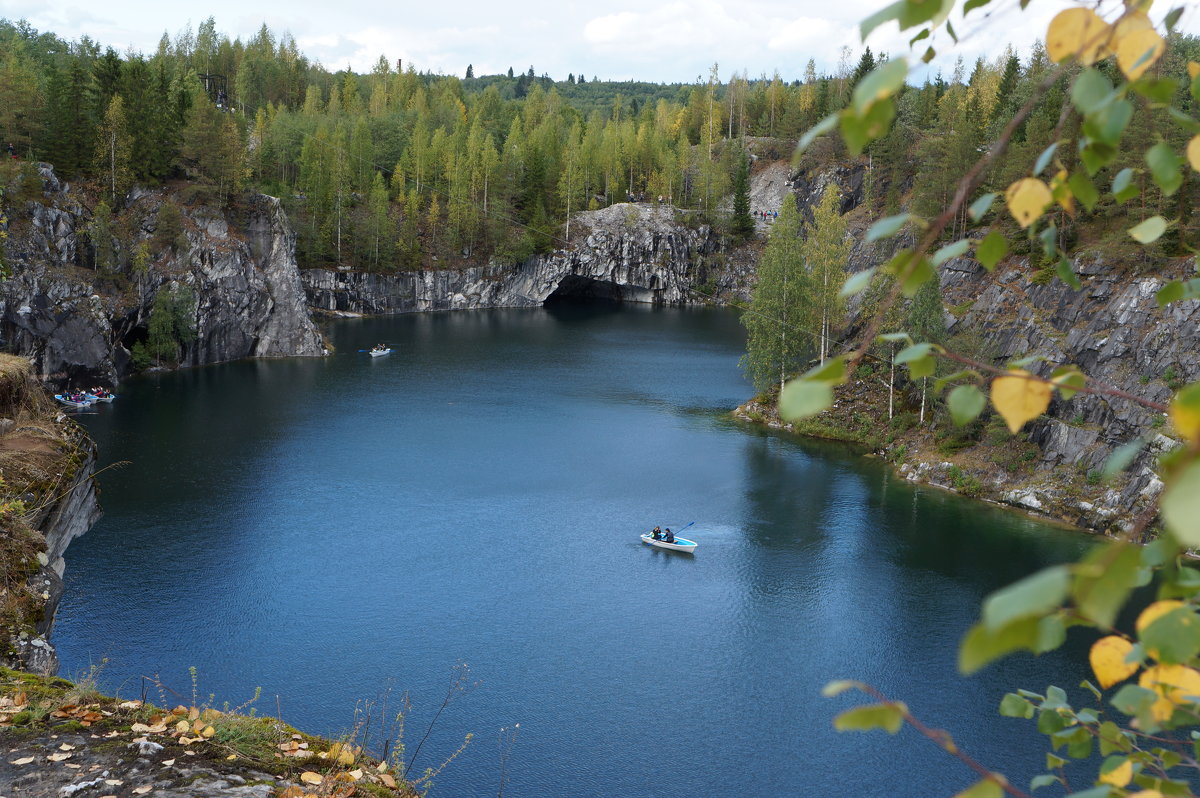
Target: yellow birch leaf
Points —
{"points": [[1019, 399], [25, 760], [292, 792], [1027, 199], [183, 727], [193, 713], [1154, 612], [1138, 51], [356, 774], [1108, 660], [1193, 152], [1061, 191], [1076, 32], [1186, 419], [1119, 776], [145, 788], [309, 777], [1175, 684], [208, 731], [388, 781], [1133, 21]]}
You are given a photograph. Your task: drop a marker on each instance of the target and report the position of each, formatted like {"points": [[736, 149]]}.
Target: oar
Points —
{"points": [[676, 534]]}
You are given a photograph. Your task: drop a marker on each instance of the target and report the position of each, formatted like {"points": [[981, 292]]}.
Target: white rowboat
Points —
{"points": [[380, 352], [680, 544]]}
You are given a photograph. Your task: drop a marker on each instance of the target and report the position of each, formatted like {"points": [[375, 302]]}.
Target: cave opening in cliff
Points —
{"points": [[576, 289]]}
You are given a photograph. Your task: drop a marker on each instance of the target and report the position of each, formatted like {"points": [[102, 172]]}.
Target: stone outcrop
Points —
{"points": [[1113, 329], [633, 252], [77, 324]]}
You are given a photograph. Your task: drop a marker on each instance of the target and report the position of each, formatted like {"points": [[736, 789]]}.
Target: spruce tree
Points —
{"points": [[741, 225], [777, 343]]}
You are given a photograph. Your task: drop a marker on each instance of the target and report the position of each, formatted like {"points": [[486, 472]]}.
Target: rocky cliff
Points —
{"points": [[629, 252], [76, 314], [47, 498], [1112, 328]]}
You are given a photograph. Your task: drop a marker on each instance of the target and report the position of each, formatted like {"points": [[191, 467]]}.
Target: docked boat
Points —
{"points": [[380, 352], [106, 397], [67, 400], [680, 544]]}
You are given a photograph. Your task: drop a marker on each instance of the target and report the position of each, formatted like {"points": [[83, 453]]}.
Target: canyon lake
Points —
{"points": [[334, 529]]}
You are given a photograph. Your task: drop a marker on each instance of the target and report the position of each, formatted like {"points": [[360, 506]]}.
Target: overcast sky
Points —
{"points": [[617, 40]]}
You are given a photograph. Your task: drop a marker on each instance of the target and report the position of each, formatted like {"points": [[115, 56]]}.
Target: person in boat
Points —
{"points": [[669, 536], [656, 534]]}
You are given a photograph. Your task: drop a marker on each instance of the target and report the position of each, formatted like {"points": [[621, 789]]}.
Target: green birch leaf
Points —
{"points": [[1164, 166], [991, 249], [857, 282], [1122, 186], [1014, 706], [916, 277], [1096, 155], [804, 398], [1171, 292], [889, 717], [1090, 91], [881, 83], [966, 402], [1157, 90], [1181, 505], [1105, 581], [1067, 274], [980, 206], [1044, 159], [914, 352], [951, 251], [1084, 189], [981, 645], [1121, 458], [985, 788], [826, 125], [886, 228], [971, 5], [1149, 231], [1035, 595], [832, 371], [840, 686], [1173, 638], [1044, 780]]}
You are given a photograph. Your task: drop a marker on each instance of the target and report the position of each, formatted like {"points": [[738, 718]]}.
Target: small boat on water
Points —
{"points": [[73, 400], [680, 544], [105, 397], [380, 352]]}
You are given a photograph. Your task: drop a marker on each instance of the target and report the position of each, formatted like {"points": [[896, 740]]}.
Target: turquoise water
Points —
{"points": [[329, 529]]}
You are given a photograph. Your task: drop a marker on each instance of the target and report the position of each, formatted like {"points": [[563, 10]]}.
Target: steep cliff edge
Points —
{"points": [[79, 296], [1111, 327], [632, 252], [47, 498]]}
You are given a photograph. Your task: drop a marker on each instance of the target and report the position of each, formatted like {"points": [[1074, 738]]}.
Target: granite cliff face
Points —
{"points": [[1113, 329], [629, 252], [77, 323]]}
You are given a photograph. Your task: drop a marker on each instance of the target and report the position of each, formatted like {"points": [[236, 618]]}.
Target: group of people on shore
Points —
{"points": [[767, 216], [664, 535]]}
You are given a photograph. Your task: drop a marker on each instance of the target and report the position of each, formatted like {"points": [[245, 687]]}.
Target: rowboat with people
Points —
{"points": [[666, 539]]}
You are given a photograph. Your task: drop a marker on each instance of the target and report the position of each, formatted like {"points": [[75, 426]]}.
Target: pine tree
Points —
{"points": [[780, 307], [470, 71]]}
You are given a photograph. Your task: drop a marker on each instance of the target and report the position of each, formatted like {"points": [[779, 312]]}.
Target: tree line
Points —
{"points": [[397, 168]]}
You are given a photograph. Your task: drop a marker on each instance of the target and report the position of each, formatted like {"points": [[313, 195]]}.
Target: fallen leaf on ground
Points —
{"points": [[25, 760], [59, 757], [168, 762], [66, 747], [145, 788], [308, 777]]}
